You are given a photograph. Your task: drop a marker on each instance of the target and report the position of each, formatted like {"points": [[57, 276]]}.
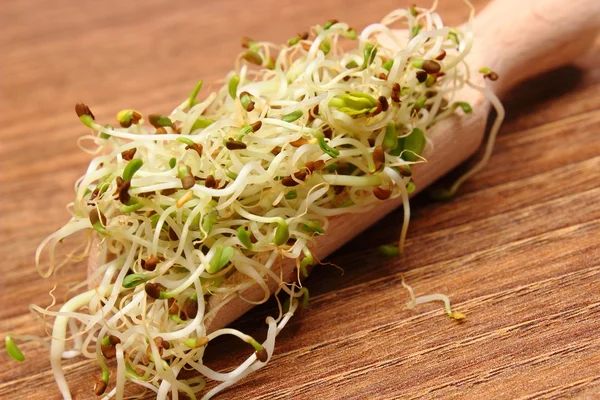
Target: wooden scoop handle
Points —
{"points": [[520, 39]]}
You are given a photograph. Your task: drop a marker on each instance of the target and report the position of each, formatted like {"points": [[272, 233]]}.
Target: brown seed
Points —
{"points": [[135, 117], [154, 289], [276, 150], [100, 387], [126, 124], [161, 343], [114, 340], [262, 355], [235, 145], [383, 76], [96, 215], [377, 110], [378, 157], [188, 182], [168, 192], [299, 142], [303, 35], [128, 154], [150, 263], [405, 170], [347, 78], [492, 76], [108, 351], [441, 56], [81, 110], [288, 181], [161, 130], [396, 92], [306, 46], [210, 182], [315, 165], [421, 76], [190, 308], [384, 103], [300, 175], [256, 126], [327, 132], [431, 67], [381, 194], [172, 234], [252, 57]]}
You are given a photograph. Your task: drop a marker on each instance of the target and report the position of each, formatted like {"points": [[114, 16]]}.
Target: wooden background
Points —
{"points": [[518, 250]]}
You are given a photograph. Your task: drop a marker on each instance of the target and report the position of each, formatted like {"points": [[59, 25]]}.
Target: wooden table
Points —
{"points": [[517, 250]]}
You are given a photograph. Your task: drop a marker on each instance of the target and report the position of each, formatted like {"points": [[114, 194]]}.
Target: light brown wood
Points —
{"points": [[517, 250]]}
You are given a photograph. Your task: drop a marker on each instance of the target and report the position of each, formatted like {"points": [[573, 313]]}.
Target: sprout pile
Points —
{"points": [[237, 181]]}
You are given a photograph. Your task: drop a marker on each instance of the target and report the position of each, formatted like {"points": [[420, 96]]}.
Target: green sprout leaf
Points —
{"points": [[282, 233], [389, 251], [390, 139], [293, 116], [131, 168], [233, 85], [466, 107], [133, 280], [388, 65], [13, 350], [369, 54], [192, 98], [413, 145], [244, 237]]}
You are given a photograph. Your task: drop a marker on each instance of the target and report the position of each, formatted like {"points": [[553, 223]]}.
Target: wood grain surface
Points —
{"points": [[518, 249]]}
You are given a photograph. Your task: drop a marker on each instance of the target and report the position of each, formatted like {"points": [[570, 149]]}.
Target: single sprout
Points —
{"points": [[13, 350], [306, 261], [244, 237], [233, 85], [293, 116], [413, 11], [369, 54], [184, 173], [330, 151], [98, 221], [156, 291], [248, 43], [305, 297], [313, 227], [330, 23], [133, 280], [253, 57], [158, 121], [466, 107], [192, 98], [128, 117], [453, 36], [282, 233], [388, 65], [389, 251], [246, 101], [201, 123], [488, 73], [390, 140], [415, 30], [354, 103], [220, 258], [186, 140], [131, 168], [352, 64], [85, 115]]}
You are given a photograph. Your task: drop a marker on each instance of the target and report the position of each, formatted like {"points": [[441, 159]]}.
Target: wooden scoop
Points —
{"points": [[517, 39]]}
